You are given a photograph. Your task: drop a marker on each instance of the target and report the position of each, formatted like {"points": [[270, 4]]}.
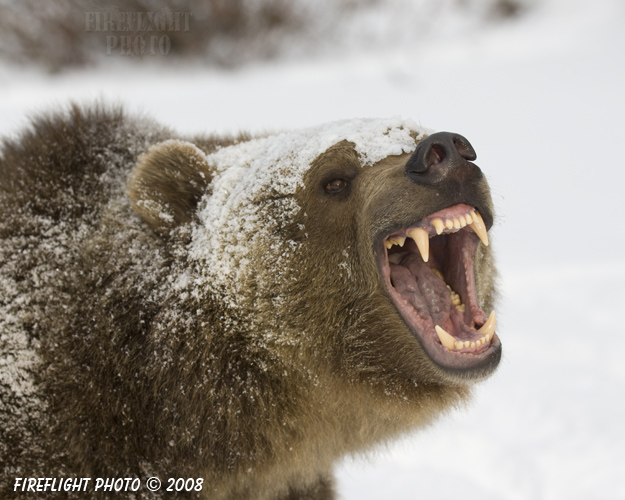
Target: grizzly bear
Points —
{"points": [[225, 318]]}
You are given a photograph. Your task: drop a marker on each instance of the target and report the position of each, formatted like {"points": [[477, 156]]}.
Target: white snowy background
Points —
{"points": [[542, 99]]}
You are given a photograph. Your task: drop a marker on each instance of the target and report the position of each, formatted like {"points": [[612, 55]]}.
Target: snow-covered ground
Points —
{"points": [[542, 100]]}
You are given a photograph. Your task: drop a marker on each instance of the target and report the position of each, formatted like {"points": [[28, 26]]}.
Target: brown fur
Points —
{"points": [[140, 377], [167, 184]]}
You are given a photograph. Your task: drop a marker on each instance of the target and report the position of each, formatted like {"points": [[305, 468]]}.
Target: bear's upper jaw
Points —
{"points": [[428, 270]]}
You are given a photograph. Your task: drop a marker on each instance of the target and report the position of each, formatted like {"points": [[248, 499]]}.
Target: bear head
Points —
{"points": [[360, 246]]}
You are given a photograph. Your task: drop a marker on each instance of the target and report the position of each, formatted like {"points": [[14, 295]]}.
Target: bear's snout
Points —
{"points": [[441, 157]]}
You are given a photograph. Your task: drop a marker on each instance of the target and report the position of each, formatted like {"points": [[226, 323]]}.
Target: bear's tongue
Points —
{"points": [[431, 298]]}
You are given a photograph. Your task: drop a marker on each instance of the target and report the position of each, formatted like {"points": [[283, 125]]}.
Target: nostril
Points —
{"points": [[464, 148], [436, 154], [426, 156]]}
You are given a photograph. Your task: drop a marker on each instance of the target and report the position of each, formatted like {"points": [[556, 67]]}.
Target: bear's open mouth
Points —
{"points": [[428, 271]]}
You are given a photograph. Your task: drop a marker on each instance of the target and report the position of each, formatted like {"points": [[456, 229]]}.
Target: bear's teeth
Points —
{"points": [[450, 343], [399, 241], [395, 241], [421, 236], [478, 226], [455, 298], [422, 239], [447, 340], [473, 220], [439, 225]]}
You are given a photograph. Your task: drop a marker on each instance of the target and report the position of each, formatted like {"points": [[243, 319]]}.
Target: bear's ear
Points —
{"points": [[167, 183]]}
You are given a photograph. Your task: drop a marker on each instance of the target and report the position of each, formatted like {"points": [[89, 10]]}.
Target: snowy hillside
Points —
{"points": [[541, 99]]}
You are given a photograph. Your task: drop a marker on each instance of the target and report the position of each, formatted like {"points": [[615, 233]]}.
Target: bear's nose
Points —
{"points": [[439, 156]]}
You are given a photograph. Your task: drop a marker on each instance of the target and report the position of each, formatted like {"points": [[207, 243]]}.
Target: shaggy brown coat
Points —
{"points": [[114, 367]]}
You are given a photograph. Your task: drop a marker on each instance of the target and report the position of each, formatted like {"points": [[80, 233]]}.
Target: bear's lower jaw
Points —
{"points": [[428, 272]]}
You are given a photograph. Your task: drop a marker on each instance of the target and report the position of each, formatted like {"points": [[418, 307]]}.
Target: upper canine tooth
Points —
{"points": [[478, 226], [422, 239], [439, 225], [488, 328], [447, 340]]}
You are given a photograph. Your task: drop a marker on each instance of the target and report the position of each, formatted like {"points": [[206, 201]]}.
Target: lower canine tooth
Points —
{"points": [[447, 340], [488, 328], [422, 239]]}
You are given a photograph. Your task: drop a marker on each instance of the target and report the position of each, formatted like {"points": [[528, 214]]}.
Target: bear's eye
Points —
{"points": [[336, 186]]}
